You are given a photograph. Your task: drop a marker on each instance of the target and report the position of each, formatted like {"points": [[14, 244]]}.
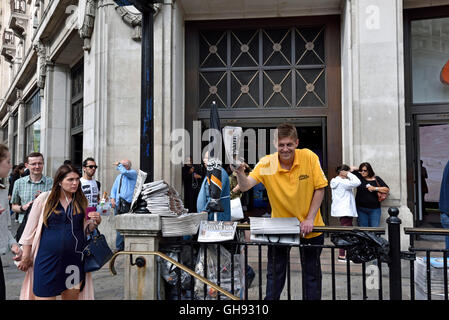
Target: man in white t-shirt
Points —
{"points": [[89, 185]]}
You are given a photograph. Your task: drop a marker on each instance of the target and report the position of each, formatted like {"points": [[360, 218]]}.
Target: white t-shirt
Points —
{"points": [[90, 189]]}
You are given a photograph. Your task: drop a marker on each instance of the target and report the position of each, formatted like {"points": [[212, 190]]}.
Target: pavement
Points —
{"points": [[110, 287]]}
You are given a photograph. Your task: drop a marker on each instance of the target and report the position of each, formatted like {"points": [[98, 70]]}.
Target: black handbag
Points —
{"points": [[97, 252], [23, 224], [123, 206]]}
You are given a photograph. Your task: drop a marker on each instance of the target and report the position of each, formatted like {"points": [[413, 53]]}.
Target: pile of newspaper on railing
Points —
{"points": [[281, 230], [161, 198], [176, 221], [436, 268], [183, 225]]}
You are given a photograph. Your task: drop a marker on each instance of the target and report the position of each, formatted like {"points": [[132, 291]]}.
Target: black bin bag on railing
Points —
{"points": [[362, 246]]}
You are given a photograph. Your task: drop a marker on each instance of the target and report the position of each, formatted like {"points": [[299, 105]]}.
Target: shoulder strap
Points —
{"points": [[120, 184]]}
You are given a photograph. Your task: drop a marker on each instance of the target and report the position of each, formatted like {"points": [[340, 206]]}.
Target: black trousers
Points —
{"points": [[310, 264], [2, 282]]}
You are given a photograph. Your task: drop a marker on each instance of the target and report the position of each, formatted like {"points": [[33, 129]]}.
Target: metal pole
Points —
{"points": [[394, 238], [147, 97]]}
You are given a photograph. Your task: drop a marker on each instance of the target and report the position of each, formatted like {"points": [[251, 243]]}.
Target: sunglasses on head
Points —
{"points": [[92, 167]]}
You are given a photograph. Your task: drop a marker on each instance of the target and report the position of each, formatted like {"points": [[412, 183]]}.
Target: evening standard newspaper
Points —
{"points": [[216, 231]]}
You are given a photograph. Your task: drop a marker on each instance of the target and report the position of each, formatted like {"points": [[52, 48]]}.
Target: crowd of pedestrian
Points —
{"points": [[55, 216]]}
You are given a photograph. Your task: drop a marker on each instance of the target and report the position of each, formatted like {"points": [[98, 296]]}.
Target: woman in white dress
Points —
{"points": [[343, 201]]}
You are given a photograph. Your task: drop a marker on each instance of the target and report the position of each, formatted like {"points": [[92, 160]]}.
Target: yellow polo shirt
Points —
{"points": [[291, 191]]}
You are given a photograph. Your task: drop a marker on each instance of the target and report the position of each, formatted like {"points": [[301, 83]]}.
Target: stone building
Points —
{"points": [[359, 78]]}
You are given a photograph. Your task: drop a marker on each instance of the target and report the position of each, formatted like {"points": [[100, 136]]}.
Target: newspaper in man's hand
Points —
{"points": [[231, 138]]}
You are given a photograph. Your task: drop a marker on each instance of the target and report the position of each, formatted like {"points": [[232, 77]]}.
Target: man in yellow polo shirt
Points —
{"points": [[295, 185]]}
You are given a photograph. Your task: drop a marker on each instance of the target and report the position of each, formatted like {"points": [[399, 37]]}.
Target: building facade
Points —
{"points": [[360, 79]]}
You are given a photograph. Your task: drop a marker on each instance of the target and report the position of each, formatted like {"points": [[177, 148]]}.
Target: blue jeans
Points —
{"points": [[119, 239], [368, 217], [445, 223], [310, 263]]}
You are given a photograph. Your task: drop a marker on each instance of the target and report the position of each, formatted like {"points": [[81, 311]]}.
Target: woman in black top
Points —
{"points": [[367, 203]]}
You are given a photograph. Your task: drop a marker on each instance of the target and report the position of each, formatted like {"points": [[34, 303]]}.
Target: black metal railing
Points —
{"points": [[221, 270]]}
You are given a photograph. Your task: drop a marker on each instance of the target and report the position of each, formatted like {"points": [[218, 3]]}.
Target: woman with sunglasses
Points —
{"points": [[366, 200]]}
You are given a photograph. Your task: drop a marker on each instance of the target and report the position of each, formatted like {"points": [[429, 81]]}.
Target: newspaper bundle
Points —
{"points": [[161, 198], [216, 231], [281, 230], [436, 277], [183, 225]]}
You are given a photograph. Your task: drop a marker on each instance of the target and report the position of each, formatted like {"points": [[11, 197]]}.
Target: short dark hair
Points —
{"points": [[33, 155], [343, 167], [368, 167], [88, 159]]}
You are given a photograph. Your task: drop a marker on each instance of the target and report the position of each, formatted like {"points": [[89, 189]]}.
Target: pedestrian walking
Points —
{"points": [[54, 239], [7, 241], [17, 173], [26, 189], [295, 185], [90, 186], [343, 202], [122, 194], [366, 199]]}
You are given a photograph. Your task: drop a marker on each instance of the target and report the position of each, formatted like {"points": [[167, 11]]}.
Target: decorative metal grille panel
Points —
{"points": [[263, 68]]}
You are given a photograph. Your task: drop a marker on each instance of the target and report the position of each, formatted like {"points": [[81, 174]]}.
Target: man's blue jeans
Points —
{"points": [[368, 217], [310, 264], [445, 224], [119, 239]]}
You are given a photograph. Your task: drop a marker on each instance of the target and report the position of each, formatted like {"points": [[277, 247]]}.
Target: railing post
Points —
{"points": [[394, 238]]}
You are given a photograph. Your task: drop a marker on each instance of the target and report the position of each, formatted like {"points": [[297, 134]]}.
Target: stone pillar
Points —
{"points": [[111, 127], [373, 96], [169, 103], [141, 232], [55, 121]]}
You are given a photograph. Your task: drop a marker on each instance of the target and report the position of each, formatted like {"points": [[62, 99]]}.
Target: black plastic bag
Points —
{"points": [[362, 246]]}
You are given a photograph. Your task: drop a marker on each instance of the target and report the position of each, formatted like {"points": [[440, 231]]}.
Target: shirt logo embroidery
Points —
{"points": [[303, 176]]}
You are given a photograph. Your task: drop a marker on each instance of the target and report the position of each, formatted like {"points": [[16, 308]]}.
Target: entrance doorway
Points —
{"points": [[258, 142], [432, 154]]}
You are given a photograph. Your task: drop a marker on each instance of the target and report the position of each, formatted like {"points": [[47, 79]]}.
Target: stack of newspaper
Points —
{"points": [[161, 198], [436, 278], [183, 225], [282, 230]]}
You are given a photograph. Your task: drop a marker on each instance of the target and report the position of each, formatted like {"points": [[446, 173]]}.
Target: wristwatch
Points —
{"points": [[377, 189]]}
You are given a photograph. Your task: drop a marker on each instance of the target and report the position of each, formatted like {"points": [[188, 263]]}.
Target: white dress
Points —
{"points": [[343, 201]]}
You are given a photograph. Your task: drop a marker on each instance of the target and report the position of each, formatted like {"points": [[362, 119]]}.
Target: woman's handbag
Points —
{"points": [[97, 252], [381, 196]]}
